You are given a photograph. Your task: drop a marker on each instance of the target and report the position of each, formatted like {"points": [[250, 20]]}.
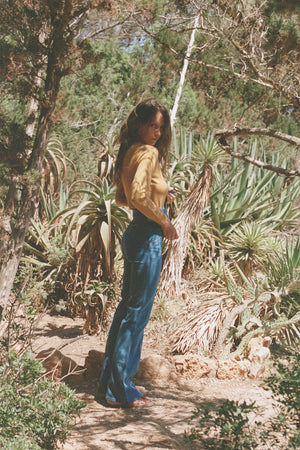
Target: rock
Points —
{"points": [[231, 368], [155, 368], [151, 369], [258, 349], [93, 364], [195, 366], [258, 353], [58, 366]]}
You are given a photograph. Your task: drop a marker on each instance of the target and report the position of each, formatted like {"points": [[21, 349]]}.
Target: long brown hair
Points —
{"points": [[140, 116]]}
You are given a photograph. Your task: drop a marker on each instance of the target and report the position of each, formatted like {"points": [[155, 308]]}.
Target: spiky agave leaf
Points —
{"points": [[249, 193], [93, 228], [250, 244], [283, 279], [207, 151], [283, 269], [55, 166]]}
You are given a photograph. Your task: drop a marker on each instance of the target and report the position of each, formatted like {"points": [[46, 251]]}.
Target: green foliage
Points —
{"points": [[3, 184], [207, 152], [32, 408], [56, 167], [181, 173], [21, 314], [47, 264], [282, 281], [226, 427], [45, 251], [283, 28], [283, 269], [231, 427], [284, 383], [94, 105], [93, 226], [95, 294], [259, 310], [250, 245], [246, 192]]}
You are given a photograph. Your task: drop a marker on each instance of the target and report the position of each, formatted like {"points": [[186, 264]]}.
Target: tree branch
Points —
{"points": [[237, 131], [293, 98], [222, 134], [93, 34]]}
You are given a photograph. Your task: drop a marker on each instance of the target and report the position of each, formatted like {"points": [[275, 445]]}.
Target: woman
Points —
{"points": [[144, 147]]}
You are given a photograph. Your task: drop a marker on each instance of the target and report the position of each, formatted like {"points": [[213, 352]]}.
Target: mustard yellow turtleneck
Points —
{"points": [[142, 186]]}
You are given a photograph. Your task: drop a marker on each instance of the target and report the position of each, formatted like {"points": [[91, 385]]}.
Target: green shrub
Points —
{"points": [[285, 386], [34, 411], [228, 426], [223, 428]]}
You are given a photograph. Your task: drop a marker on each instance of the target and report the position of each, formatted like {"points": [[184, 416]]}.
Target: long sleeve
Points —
{"points": [[141, 187], [142, 183]]}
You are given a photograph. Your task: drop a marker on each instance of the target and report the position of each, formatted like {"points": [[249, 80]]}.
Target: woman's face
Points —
{"points": [[150, 134]]}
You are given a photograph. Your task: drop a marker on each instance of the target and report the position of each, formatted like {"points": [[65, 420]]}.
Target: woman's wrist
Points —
{"points": [[169, 230]]}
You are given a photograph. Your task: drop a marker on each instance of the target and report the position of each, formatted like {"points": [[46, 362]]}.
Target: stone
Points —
{"points": [[151, 368], [258, 353], [193, 366], [258, 349], [155, 368], [232, 369], [93, 364], [58, 366]]}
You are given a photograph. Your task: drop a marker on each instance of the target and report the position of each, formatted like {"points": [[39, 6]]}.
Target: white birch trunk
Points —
{"points": [[173, 111]]}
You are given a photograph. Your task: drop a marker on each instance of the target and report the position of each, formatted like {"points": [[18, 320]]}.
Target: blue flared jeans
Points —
{"points": [[142, 253]]}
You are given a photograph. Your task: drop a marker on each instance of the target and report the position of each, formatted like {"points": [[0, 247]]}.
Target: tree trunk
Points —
{"points": [[173, 112], [31, 181]]}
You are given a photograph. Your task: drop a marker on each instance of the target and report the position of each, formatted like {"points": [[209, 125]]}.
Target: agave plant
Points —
{"points": [[265, 306], [224, 321], [181, 173], [94, 298], [106, 162], [283, 269], [44, 246], [55, 166], [250, 245], [93, 228], [182, 145], [204, 245], [249, 193], [283, 279], [45, 251]]}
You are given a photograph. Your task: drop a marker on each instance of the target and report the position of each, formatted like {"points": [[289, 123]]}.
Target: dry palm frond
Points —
{"points": [[191, 210], [202, 327], [207, 154]]}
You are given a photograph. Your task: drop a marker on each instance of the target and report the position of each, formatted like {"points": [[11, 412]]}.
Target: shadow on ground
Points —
{"points": [[159, 426]]}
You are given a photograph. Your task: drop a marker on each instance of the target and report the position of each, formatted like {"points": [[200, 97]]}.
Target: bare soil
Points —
{"points": [[159, 426]]}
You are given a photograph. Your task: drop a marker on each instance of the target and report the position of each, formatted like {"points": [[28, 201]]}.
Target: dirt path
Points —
{"points": [[158, 426]]}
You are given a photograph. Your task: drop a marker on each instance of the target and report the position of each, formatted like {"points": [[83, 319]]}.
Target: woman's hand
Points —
{"points": [[171, 195], [169, 230]]}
